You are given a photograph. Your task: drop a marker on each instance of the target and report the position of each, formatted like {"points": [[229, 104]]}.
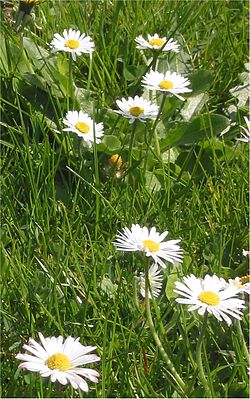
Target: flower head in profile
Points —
{"points": [[246, 132], [155, 279], [167, 82], [155, 42], [242, 284], [73, 42], [137, 108], [210, 295], [150, 242], [81, 124], [61, 361]]}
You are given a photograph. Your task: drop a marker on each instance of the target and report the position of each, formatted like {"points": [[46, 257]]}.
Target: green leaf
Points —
{"points": [[132, 72], [199, 129], [83, 97], [112, 143], [152, 183], [200, 80], [172, 278], [194, 105]]}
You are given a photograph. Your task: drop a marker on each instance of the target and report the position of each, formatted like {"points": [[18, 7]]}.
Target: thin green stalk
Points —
{"points": [[97, 182], [169, 364], [198, 356], [131, 144], [90, 71], [153, 133], [70, 86], [242, 340]]}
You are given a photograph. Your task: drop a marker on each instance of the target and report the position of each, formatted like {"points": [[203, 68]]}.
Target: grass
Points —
{"points": [[62, 204]]}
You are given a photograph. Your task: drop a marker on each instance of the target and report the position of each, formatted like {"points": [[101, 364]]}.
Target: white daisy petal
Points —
{"points": [[150, 242], [62, 360], [155, 281], [82, 125], [72, 42], [246, 132], [241, 284], [171, 83], [211, 294], [156, 43], [137, 108]]}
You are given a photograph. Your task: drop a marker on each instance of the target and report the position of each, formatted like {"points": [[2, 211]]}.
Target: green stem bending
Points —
{"points": [[198, 356], [170, 366]]}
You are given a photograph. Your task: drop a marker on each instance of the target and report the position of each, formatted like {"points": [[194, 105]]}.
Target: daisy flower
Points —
{"points": [[155, 281], [81, 124], [211, 295], [155, 42], [168, 82], [246, 132], [73, 42], [137, 108], [245, 252], [150, 242], [241, 283], [60, 360]]}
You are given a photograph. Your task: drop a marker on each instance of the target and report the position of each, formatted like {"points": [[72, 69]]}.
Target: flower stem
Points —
{"points": [[242, 341], [198, 356], [170, 366], [70, 86], [155, 135], [90, 72], [131, 144]]}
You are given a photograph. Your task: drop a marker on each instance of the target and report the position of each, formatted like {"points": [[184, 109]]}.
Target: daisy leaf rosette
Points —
{"points": [[156, 42], [155, 279], [149, 242], [137, 108], [81, 124], [60, 360], [72, 41], [211, 295], [169, 82]]}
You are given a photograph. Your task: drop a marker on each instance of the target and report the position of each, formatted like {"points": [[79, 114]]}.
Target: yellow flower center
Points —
{"points": [[151, 245], [245, 279], [156, 42], [82, 127], [209, 297], [58, 361], [136, 111], [71, 43], [166, 84], [117, 160]]}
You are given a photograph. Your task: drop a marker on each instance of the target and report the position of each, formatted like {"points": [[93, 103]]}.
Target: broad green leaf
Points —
{"points": [[199, 129], [152, 183], [194, 105], [200, 81], [170, 286], [112, 143], [83, 97]]}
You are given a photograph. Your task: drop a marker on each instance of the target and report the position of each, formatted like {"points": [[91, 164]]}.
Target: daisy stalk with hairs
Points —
{"points": [[152, 244], [76, 44]]}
